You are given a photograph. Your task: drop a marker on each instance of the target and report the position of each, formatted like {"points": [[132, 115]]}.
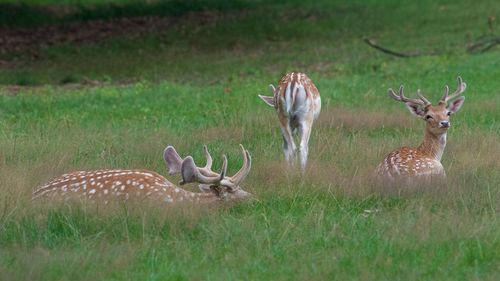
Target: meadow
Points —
{"points": [[119, 101]]}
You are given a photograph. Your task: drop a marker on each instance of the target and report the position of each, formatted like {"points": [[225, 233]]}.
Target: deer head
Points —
{"points": [[437, 116], [209, 181]]}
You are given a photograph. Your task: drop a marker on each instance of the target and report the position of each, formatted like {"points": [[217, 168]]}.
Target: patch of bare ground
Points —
{"points": [[85, 82], [29, 41]]}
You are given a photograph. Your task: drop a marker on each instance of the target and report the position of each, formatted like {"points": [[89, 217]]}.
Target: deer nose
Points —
{"points": [[445, 124]]}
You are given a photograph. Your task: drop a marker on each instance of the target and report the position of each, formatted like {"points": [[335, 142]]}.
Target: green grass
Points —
{"points": [[197, 83]]}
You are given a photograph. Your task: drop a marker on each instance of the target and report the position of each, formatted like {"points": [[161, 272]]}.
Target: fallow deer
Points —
{"points": [[424, 161], [142, 184], [298, 103]]}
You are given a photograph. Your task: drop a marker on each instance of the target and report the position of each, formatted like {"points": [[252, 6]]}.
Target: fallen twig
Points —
{"points": [[483, 45], [394, 53]]}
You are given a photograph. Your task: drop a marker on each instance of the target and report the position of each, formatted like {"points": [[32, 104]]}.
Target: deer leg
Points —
{"points": [[288, 145], [305, 133]]}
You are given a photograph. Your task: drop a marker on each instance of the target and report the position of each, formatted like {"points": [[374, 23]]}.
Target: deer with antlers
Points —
{"points": [[423, 161], [298, 103], [125, 184]]}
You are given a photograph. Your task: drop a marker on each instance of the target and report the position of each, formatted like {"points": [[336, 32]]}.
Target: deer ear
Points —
{"points": [[456, 104], [268, 100], [173, 160], [415, 109]]}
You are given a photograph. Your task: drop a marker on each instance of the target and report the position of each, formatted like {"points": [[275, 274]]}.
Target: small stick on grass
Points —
{"points": [[394, 53], [484, 45]]}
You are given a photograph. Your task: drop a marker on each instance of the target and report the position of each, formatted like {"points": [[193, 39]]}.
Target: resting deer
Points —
{"points": [[298, 103], [423, 161], [125, 184]]}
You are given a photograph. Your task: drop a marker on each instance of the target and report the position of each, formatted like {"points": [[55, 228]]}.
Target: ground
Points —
{"points": [[95, 90]]}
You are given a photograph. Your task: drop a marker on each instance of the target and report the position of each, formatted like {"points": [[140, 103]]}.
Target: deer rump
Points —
{"points": [[295, 104]]}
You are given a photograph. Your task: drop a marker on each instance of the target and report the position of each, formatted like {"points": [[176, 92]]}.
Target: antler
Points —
{"points": [[234, 181], [207, 170], [191, 173], [401, 97], [174, 161], [460, 89]]}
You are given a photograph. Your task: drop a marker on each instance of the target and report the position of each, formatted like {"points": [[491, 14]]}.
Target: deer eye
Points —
{"points": [[448, 113], [428, 117]]}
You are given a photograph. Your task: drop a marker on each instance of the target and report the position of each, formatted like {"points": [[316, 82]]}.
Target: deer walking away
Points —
{"points": [[298, 103]]}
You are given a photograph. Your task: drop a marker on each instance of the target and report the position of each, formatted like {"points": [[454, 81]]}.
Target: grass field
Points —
{"points": [[195, 83]]}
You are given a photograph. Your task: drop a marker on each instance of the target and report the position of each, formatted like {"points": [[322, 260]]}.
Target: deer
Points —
{"points": [[298, 104], [423, 162], [144, 184]]}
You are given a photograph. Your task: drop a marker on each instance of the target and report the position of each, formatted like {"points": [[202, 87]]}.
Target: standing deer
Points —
{"points": [[423, 161], [107, 184], [298, 103]]}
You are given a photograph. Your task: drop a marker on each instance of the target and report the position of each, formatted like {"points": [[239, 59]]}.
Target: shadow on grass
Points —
{"points": [[27, 15]]}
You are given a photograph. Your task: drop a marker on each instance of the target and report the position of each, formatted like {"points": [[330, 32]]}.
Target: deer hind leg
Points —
{"points": [[305, 134], [289, 146]]}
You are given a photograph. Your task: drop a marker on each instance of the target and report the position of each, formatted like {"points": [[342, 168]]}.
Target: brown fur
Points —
{"points": [[106, 184], [424, 160]]}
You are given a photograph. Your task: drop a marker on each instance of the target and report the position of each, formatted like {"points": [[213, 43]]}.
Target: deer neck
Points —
{"points": [[433, 145]]}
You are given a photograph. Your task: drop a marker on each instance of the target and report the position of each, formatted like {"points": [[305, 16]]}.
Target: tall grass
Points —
{"points": [[331, 223]]}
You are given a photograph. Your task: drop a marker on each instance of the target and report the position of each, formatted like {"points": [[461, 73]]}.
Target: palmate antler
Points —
{"points": [[174, 162], [401, 97], [460, 89], [191, 173]]}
